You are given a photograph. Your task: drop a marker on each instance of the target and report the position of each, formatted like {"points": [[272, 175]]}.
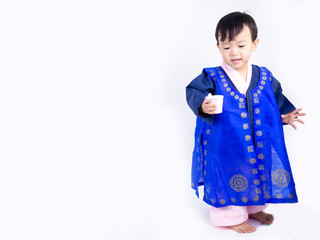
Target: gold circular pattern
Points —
{"points": [[236, 97], [233, 200], [261, 87], [255, 95], [260, 156], [279, 196], [243, 115], [281, 178], [264, 78], [212, 74], [228, 89], [263, 82], [259, 133], [244, 199], [220, 72], [212, 201], [223, 80], [257, 111], [205, 142], [232, 93], [239, 183], [264, 73], [256, 182], [225, 84], [248, 137], [221, 76], [222, 201], [208, 131], [252, 160], [241, 99], [258, 91]]}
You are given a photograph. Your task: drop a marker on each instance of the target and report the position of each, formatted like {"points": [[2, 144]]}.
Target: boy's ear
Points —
{"points": [[255, 44]]}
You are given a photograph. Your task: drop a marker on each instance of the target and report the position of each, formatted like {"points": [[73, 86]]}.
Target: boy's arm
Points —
{"points": [[196, 91], [284, 105], [289, 113]]}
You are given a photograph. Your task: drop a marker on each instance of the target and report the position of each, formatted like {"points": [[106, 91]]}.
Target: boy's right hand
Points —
{"points": [[208, 107]]}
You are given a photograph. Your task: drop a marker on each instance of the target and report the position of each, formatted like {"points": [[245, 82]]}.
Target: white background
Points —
{"points": [[95, 133]]}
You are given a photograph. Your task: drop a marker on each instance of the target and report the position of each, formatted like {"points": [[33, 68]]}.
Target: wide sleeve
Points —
{"points": [[284, 105], [196, 91]]}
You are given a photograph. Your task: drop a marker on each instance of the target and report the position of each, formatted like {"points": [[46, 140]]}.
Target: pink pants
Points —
{"points": [[232, 215]]}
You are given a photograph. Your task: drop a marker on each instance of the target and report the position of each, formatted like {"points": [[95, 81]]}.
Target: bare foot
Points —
{"points": [[243, 228], [263, 217]]}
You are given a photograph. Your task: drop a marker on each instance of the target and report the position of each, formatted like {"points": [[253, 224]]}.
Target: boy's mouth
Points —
{"points": [[236, 61]]}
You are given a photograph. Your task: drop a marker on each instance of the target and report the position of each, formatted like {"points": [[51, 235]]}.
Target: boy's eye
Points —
{"points": [[226, 48], [241, 46]]}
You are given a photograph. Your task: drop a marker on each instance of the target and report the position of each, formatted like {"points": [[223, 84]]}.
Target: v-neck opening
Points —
{"points": [[252, 82], [232, 85]]}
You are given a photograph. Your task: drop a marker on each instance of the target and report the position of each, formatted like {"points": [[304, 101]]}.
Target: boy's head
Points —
{"points": [[231, 25], [236, 36]]}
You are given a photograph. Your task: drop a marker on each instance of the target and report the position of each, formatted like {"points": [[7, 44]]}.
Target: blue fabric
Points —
{"points": [[240, 155], [202, 85]]}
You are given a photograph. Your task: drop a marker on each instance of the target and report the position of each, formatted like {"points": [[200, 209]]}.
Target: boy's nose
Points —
{"points": [[234, 51]]}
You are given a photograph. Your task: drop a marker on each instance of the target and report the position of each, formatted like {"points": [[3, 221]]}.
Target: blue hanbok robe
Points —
{"points": [[240, 155]]}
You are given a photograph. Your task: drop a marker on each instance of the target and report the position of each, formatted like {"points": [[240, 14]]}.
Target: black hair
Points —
{"points": [[231, 25]]}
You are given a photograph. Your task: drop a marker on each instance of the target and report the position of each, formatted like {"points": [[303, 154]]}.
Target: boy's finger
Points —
{"points": [[299, 120], [212, 105], [294, 126]]}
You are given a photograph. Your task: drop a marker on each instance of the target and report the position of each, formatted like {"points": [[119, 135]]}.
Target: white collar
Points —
{"points": [[241, 84]]}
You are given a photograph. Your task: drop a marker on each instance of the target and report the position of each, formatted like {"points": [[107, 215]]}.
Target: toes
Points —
{"points": [[243, 228], [251, 229], [237, 229], [248, 228], [269, 219]]}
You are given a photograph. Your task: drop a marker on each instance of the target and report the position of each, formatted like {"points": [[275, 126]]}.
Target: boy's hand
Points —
{"points": [[208, 107], [292, 117]]}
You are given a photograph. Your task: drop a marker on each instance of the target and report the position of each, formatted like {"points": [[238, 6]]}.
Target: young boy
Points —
{"points": [[240, 155]]}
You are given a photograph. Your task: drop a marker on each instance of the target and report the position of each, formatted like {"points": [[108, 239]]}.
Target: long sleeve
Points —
{"points": [[284, 105], [196, 91]]}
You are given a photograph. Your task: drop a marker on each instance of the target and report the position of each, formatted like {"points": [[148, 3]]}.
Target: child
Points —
{"points": [[240, 155]]}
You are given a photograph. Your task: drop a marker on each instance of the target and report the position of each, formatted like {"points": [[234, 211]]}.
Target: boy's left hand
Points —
{"points": [[292, 117]]}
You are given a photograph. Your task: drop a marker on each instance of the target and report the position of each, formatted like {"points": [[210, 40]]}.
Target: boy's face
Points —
{"points": [[237, 52]]}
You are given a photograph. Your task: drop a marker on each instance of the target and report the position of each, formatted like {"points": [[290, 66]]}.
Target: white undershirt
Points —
{"points": [[240, 83]]}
